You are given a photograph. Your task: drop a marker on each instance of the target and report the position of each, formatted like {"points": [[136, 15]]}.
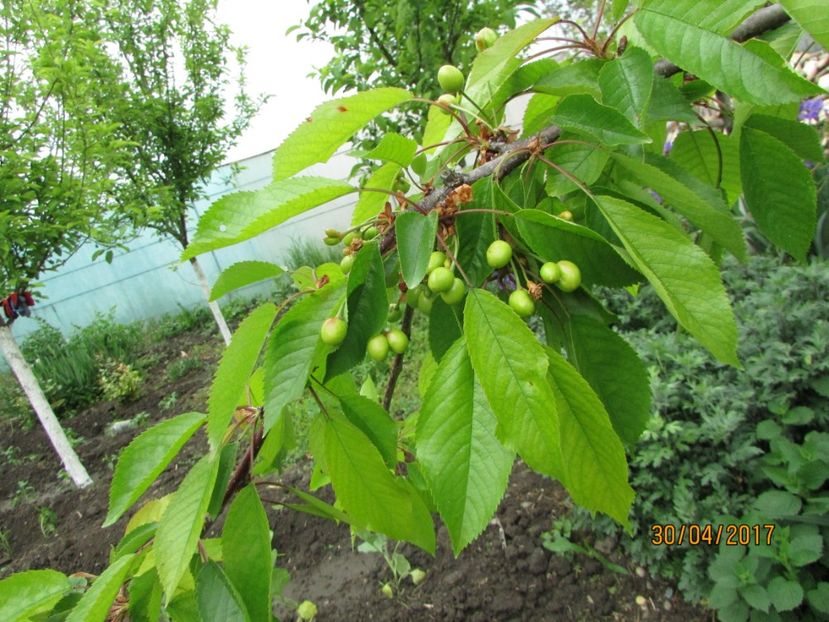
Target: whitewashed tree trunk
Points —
{"points": [[214, 306], [44, 412]]}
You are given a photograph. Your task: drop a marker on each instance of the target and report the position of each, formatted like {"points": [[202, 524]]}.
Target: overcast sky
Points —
{"points": [[278, 65]]}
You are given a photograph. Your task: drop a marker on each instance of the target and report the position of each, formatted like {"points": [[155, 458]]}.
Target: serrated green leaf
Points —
{"points": [[243, 215], [218, 599], [511, 366], [95, 604], [715, 163], [329, 126], [415, 234], [133, 541], [595, 469], [227, 464], [369, 417], [368, 308], [774, 504], [554, 239], [803, 139], [819, 597], [294, 345], [580, 78], [144, 458], [237, 364], [669, 104], [393, 148], [615, 372], [522, 79], [779, 191], [805, 549], [182, 521], [627, 83], [719, 61], [465, 465], [371, 203], [25, 594], [246, 551], [444, 327], [584, 115], [476, 231], [785, 595], [584, 162], [813, 17], [538, 113], [437, 124], [374, 499], [719, 16], [681, 273], [706, 212], [756, 596], [241, 274]]}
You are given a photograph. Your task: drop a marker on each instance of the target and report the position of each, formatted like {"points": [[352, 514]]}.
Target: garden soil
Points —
{"points": [[504, 575]]}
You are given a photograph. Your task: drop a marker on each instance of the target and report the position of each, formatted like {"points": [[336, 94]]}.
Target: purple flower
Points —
{"points": [[810, 109]]}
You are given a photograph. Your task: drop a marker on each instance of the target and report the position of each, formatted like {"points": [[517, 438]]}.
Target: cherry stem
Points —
{"points": [[450, 255], [397, 365], [485, 119]]}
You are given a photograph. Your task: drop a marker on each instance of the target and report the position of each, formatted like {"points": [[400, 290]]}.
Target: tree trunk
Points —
{"points": [[214, 306], [44, 412]]}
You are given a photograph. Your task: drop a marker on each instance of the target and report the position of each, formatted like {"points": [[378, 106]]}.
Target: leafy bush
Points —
{"points": [[726, 442], [119, 381]]}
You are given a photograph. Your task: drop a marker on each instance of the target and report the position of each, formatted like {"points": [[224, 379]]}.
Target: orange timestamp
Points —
{"points": [[694, 534]]}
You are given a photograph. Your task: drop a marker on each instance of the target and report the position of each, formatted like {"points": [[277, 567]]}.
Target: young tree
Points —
{"points": [[500, 228], [55, 162], [170, 109]]}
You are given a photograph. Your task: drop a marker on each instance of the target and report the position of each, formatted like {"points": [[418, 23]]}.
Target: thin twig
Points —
{"points": [[397, 365]]}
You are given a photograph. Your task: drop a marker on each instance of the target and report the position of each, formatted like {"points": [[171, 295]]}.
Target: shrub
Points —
{"points": [[726, 442], [119, 381]]}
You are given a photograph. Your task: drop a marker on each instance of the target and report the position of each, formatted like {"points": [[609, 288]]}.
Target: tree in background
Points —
{"points": [[170, 107], [402, 44], [57, 153]]}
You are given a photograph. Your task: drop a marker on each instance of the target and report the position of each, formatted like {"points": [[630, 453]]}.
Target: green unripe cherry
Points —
{"points": [[440, 280], [455, 293], [550, 272], [333, 331], [484, 38], [394, 313], [398, 341], [425, 303], [370, 233], [436, 259], [378, 347], [450, 79], [566, 215], [331, 240], [350, 237], [522, 303], [346, 263], [498, 254], [570, 278], [448, 100]]}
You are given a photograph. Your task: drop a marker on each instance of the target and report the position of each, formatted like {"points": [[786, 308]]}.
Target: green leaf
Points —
{"points": [[584, 115], [805, 549], [95, 604], [246, 550], [465, 465], [681, 273], [240, 216], [370, 418], [813, 17], [511, 366], [476, 231], [779, 191], [374, 499], [371, 203], [803, 139], [25, 594], [554, 239], [584, 162], [581, 78], [227, 464], [437, 124], [238, 361], [329, 126], [393, 148], [493, 66], [415, 240], [706, 212], [144, 458], [181, 524], [368, 308], [615, 372], [627, 82], [522, 79], [715, 163], [595, 469], [444, 327], [819, 597], [774, 504], [133, 541], [756, 596], [218, 599], [719, 16], [241, 274], [719, 61], [294, 345], [785, 595], [669, 104], [539, 111]]}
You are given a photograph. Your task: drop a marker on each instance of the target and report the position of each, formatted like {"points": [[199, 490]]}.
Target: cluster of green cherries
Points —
{"points": [[440, 281], [451, 79], [564, 274]]}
